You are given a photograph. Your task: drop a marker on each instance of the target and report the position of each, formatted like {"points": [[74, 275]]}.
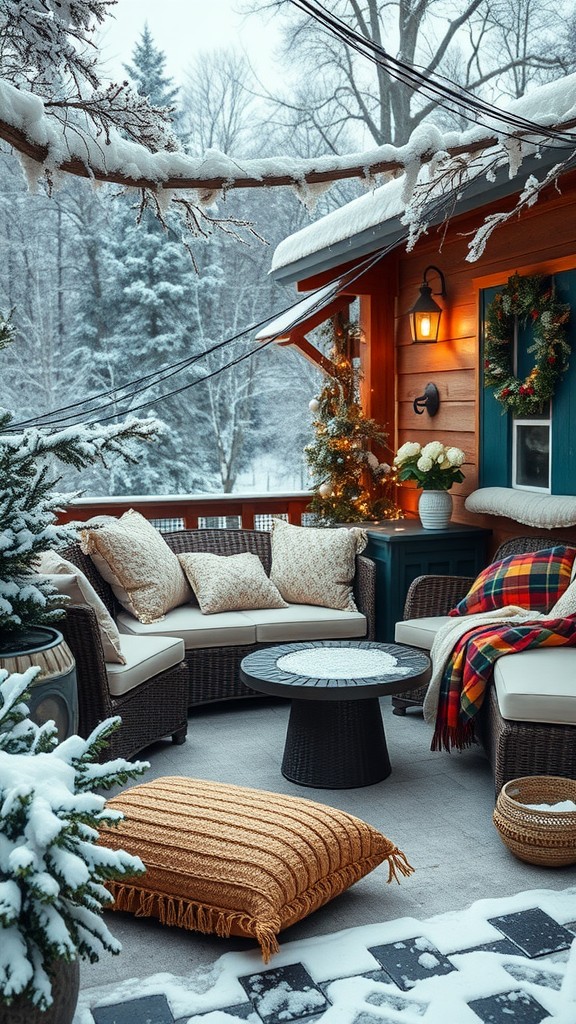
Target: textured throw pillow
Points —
{"points": [[71, 581], [313, 565], [133, 557], [235, 861], [534, 581], [227, 583]]}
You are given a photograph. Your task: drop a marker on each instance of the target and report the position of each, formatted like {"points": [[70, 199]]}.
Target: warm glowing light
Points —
{"points": [[425, 326]]}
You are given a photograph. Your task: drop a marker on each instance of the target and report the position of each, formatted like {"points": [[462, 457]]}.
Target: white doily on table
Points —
{"points": [[340, 663]]}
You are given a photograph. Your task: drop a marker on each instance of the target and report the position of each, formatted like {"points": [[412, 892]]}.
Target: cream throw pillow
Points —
{"points": [[133, 557], [228, 583], [71, 581], [314, 565]]}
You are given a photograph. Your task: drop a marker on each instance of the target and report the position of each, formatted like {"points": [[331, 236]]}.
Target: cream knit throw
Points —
{"points": [[448, 636]]}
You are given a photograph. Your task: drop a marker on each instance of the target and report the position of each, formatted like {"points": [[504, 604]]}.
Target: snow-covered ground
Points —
{"points": [[343, 960]]}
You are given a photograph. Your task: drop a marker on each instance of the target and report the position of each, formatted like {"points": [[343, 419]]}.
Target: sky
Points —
{"points": [[182, 28]]}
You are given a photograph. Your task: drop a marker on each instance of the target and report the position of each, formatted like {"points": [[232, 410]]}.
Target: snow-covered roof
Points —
{"points": [[281, 326], [374, 220]]}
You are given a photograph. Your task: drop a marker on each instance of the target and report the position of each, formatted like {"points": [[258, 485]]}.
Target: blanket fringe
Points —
{"points": [[453, 738]]}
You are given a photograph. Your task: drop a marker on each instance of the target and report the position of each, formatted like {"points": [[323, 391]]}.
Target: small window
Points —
{"points": [[531, 459]]}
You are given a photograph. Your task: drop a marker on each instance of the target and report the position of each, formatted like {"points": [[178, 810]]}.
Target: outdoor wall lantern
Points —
{"points": [[425, 313]]}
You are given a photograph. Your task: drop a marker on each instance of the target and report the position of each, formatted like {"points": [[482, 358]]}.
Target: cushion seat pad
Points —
{"points": [[420, 632], [145, 657], [237, 861], [232, 629], [538, 686], [306, 622]]}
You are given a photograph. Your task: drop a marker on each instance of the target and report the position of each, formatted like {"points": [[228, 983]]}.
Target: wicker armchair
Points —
{"points": [[514, 748], [213, 672], [156, 708]]}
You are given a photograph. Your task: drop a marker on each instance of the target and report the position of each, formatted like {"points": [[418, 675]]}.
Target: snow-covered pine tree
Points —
{"points": [[51, 870], [341, 459], [28, 501], [148, 73]]}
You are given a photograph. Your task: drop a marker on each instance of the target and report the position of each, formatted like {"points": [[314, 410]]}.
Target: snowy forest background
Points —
{"points": [[99, 300]]}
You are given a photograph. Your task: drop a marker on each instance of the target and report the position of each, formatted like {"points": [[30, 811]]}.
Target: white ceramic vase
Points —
{"points": [[435, 509]]}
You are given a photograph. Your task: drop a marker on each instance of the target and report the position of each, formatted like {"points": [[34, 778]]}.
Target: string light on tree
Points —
{"points": [[350, 484]]}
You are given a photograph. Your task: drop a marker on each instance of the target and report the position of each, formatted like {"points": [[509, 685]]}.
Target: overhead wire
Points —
{"points": [[445, 93], [77, 412], [435, 87]]}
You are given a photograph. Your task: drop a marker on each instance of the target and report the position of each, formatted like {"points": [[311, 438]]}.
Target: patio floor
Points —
{"points": [[437, 807]]}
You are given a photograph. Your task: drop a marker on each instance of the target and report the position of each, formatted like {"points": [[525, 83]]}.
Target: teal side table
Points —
{"points": [[402, 550]]}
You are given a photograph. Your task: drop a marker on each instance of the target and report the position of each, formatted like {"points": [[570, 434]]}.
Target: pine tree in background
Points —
{"points": [[349, 482], [147, 72]]}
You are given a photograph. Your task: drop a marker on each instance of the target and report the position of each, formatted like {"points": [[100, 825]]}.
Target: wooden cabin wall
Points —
{"points": [[396, 371], [529, 245]]}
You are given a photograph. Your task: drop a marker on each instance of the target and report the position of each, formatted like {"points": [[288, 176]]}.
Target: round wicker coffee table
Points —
{"points": [[335, 737]]}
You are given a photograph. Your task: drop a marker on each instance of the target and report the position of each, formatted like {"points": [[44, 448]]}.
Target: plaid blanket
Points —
{"points": [[469, 669]]}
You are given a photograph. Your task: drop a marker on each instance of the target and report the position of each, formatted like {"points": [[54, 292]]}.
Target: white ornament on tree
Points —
{"points": [[325, 490], [314, 405]]}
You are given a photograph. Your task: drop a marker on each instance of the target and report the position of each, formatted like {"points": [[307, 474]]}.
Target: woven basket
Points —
{"points": [[538, 836]]}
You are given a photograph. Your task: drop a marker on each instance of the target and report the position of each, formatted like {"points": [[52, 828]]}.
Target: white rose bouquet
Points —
{"points": [[434, 467]]}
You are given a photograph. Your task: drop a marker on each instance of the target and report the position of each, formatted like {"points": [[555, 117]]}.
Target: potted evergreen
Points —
{"points": [[52, 871]]}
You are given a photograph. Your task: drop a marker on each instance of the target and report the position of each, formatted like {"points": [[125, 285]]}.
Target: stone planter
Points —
{"points": [[435, 509]]}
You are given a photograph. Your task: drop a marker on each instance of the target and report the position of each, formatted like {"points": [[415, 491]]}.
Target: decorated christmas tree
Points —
{"points": [[350, 484]]}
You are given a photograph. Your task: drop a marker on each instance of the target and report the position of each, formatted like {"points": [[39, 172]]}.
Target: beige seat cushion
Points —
{"points": [[227, 583], [235, 861], [538, 686], [133, 557], [311, 565], [420, 632], [71, 581], [145, 657], [306, 622], [224, 629]]}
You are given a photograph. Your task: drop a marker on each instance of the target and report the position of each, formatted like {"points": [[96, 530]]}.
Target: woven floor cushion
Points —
{"points": [[236, 861]]}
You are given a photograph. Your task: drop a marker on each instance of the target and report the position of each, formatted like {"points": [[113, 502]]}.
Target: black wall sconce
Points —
{"points": [[430, 401], [425, 313]]}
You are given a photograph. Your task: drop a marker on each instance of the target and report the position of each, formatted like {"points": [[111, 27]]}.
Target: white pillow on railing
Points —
{"points": [[68, 579]]}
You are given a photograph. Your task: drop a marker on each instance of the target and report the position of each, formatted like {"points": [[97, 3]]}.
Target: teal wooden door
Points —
{"points": [[495, 469]]}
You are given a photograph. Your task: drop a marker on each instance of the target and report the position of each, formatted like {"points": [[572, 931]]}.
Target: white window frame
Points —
{"points": [[531, 422]]}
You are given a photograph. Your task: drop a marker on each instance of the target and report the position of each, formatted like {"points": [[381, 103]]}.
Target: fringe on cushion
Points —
{"points": [[398, 864], [199, 917]]}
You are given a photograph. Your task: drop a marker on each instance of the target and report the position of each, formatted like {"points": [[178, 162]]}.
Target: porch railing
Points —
{"points": [[174, 512]]}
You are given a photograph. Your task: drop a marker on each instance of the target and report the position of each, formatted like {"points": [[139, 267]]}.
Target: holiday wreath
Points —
{"points": [[525, 300]]}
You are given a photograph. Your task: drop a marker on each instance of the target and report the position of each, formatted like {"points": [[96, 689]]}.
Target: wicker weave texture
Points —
{"points": [[150, 711], [514, 749], [213, 671], [533, 834]]}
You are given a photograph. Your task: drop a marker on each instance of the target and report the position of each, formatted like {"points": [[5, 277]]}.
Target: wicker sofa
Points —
{"points": [[212, 662], [514, 747]]}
